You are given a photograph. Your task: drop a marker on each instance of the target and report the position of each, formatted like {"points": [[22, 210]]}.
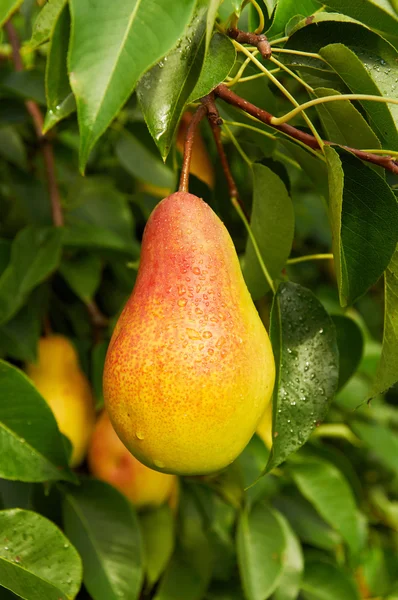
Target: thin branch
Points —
{"points": [[300, 259], [259, 41], [215, 121], [45, 144], [223, 92], [189, 139]]}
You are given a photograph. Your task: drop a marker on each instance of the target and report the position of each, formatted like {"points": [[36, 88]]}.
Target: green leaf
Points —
{"points": [[387, 370], [157, 528], [164, 90], [24, 84], [285, 10], [7, 7], [12, 147], [327, 489], [366, 63], [218, 63], [306, 356], [350, 344], [141, 163], [83, 275], [32, 445], [272, 224], [260, 546], [35, 254], [343, 123], [369, 12], [293, 564], [180, 581], [45, 22], [97, 368], [382, 442], [20, 335], [125, 38], [364, 219], [36, 560], [307, 523], [60, 100], [104, 528], [326, 581]]}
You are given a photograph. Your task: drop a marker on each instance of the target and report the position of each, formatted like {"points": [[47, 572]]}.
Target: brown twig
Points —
{"points": [[223, 92], [260, 41], [98, 320], [189, 139], [215, 121], [37, 118]]}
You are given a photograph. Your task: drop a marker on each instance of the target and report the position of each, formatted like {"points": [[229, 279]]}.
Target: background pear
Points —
{"points": [[189, 369], [59, 379], [110, 461]]}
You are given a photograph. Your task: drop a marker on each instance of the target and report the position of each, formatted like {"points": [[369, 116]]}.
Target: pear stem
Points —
{"points": [[223, 92], [189, 139], [45, 144]]}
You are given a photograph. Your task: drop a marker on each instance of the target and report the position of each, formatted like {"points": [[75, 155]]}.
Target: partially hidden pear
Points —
{"points": [[189, 369], [110, 461], [61, 382]]}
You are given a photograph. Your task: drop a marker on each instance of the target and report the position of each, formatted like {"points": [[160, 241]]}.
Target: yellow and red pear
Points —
{"points": [[189, 369], [110, 461]]}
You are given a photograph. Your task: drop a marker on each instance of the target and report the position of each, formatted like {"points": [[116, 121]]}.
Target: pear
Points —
{"points": [[189, 370], [110, 461], [59, 379]]}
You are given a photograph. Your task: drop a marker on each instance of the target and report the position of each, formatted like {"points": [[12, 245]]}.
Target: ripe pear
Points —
{"points": [[110, 461], [189, 369], [59, 379]]}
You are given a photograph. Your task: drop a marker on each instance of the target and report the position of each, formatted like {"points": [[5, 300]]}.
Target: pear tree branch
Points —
{"points": [[223, 92], [45, 144], [260, 41]]}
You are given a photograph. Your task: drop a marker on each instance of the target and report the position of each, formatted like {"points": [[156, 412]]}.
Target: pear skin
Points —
{"points": [[110, 461], [189, 369], [59, 379]]}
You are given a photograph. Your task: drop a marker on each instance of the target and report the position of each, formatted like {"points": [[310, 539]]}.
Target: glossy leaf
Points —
{"points": [[260, 547], [45, 22], [343, 123], [387, 371], [32, 446], [218, 63], [326, 581], [24, 273], [7, 7], [293, 564], [60, 101], [285, 10], [141, 163], [307, 522], [350, 344], [370, 12], [382, 442], [36, 560], [327, 489], [306, 356], [125, 38], [83, 275], [366, 63], [164, 90], [157, 528], [104, 528], [272, 224], [363, 210]]}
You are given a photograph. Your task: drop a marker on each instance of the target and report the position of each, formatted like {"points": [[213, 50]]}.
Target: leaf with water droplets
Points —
{"points": [[304, 343], [36, 560]]}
